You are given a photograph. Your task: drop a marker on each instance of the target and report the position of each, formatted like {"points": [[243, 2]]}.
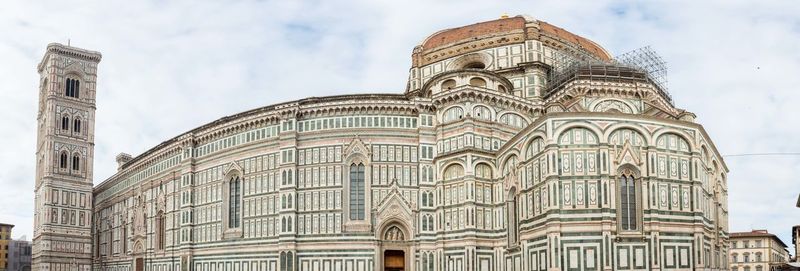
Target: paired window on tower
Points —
{"points": [[76, 124], [63, 160], [72, 88]]}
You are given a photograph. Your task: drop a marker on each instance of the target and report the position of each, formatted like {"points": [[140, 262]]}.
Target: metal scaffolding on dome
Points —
{"points": [[640, 64]]}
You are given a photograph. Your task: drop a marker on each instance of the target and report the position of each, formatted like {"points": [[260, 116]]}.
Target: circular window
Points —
{"points": [[475, 65], [448, 84], [477, 81]]}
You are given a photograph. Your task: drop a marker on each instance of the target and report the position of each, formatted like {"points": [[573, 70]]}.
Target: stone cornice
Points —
{"points": [[74, 52], [615, 116], [530, 108]]}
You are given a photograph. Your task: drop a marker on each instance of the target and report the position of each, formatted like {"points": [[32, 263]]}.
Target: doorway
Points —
{"points": [[394, 260], [139, 264]]}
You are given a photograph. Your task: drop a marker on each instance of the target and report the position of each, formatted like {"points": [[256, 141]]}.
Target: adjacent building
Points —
{"points": [[757, 250], [796, 242], [19, 255], [516, 145], [5, 238]]}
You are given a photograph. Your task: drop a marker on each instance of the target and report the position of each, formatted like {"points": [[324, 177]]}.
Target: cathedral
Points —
{"points": [[516, 145]]}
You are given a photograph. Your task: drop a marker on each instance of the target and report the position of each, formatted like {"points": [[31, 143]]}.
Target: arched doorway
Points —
{"points": [[394, 260], [395, 248]]}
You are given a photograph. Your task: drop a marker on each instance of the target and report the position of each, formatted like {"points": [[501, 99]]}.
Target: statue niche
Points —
{"points": [[394, 234]]}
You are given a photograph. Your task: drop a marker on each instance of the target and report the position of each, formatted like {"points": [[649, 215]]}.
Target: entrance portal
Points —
{"points": [[139, 264], [394, 260]]}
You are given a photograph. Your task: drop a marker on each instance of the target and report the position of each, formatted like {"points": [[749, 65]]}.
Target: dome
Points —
{"points": [[506, 30]]}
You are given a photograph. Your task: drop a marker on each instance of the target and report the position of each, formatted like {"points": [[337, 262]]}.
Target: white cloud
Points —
{"points": [[171, 66]]}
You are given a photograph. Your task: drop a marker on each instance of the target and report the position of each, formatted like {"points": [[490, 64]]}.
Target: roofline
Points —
{"points": [[541, 119], [757, 234], [304, 101]]}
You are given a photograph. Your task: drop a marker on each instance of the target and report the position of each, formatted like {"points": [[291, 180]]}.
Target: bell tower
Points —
{"points": [[62, 233]]}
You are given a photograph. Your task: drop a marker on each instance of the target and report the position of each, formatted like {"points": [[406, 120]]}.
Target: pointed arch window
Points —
{"points": [[76, 126], [76, 163], [64, 123], [357, 191], [513, 220], [627, 203], [72, 88], [63, 160], [234, 213], [161, 228]]}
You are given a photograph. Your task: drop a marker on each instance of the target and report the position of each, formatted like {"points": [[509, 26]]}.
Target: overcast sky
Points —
{"points": [[170, 66]]}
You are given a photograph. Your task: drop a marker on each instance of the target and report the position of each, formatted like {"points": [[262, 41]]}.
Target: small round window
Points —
{"points": [[448, 84], [475, 65], [477, 81]]}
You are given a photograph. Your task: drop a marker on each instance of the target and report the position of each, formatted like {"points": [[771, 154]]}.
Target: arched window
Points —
{"points": [[76, 126], [482, 112], [627, 203], [620, 136], [452, 114], [283, 261], [477, 82], [424, 199], [431, 175], [234, 213], [161, 228], [501, 88], [72, 88], [534, 147], [513, 120], [734, 257], [448, 84], [357, 191], [430, 199], [64, 123], [62, 162], [509, 165], [511, 215], [289, 261], [453, 171], [475, 65], [425, 223], [76, 163], [289, 202], [483, 171]]}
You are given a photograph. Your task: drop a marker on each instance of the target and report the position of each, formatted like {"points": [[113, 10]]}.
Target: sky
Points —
{"points": [[170, 66]]}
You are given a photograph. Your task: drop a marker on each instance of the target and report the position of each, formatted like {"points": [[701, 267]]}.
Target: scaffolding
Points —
{"points": [[642, 64]]}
